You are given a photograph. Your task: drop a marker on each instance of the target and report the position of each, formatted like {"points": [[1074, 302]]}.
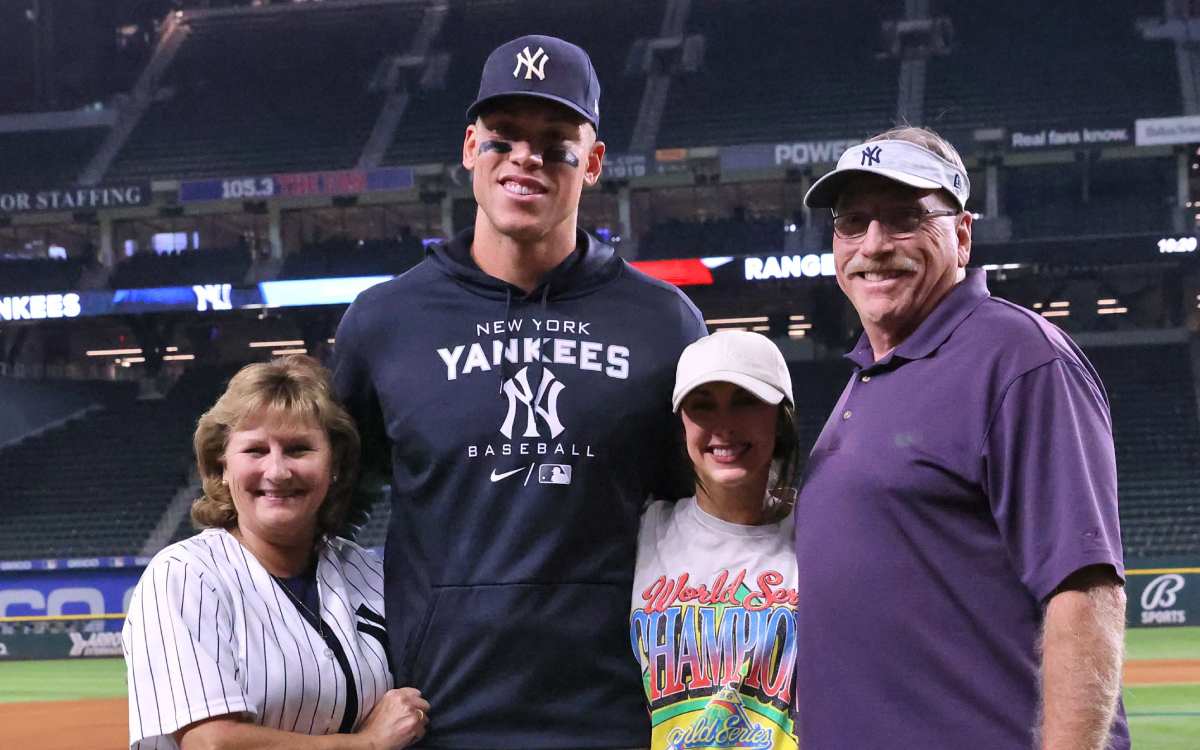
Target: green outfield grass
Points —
{"points": [[1161, 717], [61, 679], [1164, 717], [1162, 643]]}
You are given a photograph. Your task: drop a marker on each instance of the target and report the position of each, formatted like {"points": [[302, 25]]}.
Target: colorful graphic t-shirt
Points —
{"points": [[714, 628]]}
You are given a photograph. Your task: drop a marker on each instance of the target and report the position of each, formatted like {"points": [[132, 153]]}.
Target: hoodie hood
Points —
{"points": [[590, 266]]}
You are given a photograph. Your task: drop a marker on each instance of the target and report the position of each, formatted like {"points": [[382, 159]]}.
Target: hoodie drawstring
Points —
{"points": [[541, 367], [504, 349]]}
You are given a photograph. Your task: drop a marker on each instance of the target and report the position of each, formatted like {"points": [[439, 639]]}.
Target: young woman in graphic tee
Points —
{"points": [[713, 620]]}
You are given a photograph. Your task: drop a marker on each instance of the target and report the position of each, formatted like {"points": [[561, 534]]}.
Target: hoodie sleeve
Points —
{"points": [[674, 478], [355, 385]]}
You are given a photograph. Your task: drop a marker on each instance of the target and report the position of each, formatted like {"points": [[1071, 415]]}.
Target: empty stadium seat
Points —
{"points": [[98, 485], [209, 266], [266, 92], [1152, 394], [37, 276]]}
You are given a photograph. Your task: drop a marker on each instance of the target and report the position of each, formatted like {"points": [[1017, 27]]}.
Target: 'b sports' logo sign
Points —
{"points": [[1159, 600], [543, 404]]}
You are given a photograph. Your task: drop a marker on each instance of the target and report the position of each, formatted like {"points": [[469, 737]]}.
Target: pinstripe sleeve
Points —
{"points": [[180, 653]]}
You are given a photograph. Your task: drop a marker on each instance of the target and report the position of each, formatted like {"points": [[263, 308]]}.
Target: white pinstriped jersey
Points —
{"points": [[209, 632]]}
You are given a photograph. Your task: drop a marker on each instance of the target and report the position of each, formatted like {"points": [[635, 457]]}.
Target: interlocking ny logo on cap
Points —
{"points": [[529, 60], [870, 155]]}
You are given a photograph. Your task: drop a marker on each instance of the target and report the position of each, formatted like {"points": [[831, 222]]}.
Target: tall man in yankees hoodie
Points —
{"points": [[520, 378]]}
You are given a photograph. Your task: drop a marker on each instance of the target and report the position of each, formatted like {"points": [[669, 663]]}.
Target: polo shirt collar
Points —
{"points": [[934, 330]]}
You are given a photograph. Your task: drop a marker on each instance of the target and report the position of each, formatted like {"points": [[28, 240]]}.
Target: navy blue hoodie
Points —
{"points": [[525, 431]]}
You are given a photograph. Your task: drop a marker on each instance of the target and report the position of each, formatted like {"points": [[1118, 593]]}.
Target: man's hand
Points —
{"points": [[1083, 649]]}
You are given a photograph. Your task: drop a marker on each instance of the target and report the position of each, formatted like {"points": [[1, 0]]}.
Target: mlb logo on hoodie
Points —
{"points": [[554, 474]]}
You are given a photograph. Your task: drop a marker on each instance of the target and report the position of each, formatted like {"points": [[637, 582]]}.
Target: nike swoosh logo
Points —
{"points": [[497, 477]]}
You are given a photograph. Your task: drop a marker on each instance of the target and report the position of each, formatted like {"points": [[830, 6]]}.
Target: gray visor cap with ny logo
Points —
{"points": [[902, 161]]}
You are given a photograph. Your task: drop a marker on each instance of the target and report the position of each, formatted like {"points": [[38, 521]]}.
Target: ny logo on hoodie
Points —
{"points": [[543, 404]]}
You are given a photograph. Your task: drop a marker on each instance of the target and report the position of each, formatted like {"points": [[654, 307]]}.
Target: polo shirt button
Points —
{"points": [[328, 653], [847, 414], [865, 379]]}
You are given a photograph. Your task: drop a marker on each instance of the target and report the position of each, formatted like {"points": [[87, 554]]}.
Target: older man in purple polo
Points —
{"points": [[961, 577]]}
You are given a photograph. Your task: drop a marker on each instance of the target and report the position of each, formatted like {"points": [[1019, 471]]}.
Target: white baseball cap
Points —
{"points": [[744, 358], [902, 161]]}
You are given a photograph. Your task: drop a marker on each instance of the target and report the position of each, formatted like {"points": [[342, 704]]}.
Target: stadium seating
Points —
{"points": [[1152, 393], [1123, 197], [98, 485], [727, 236], [51, 158], [343, 256], [782, 71], [215, 266], [432, 128], [34, 276], [29, 405], [1110, 76], [266, 92]]}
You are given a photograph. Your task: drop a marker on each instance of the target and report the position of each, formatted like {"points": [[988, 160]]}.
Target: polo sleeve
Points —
{"points": [[180, 654], [1051, 475]]}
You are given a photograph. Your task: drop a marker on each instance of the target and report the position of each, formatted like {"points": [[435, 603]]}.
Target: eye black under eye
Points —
{"points": [[562, 156]]}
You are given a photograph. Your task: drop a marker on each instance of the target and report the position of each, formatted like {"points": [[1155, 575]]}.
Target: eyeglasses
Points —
{"points": [[899, 223]]}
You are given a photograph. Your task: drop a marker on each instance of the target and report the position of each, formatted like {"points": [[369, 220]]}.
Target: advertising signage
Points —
{"points": [[1166, 131], [722, 271], [794, 154], [195, 298], [1047, 138], [300, 184], [1161, 597], [74, 198]]}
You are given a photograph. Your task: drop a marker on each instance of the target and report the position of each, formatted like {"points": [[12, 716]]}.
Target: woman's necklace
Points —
{"points": [[313, 617]]}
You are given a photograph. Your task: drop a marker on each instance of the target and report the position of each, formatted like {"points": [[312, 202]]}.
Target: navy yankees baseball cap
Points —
{"points": [[544, 67]]}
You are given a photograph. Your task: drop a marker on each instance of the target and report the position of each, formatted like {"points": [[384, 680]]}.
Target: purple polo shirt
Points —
{"points": [[958, 481]]}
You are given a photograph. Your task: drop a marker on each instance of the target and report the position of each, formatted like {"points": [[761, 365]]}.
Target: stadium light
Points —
{"points": [[1056, 313], [734, 321], [1060, 303], [1112, 310], [274, 344], [1106, 302], [282, 352], [111, 352], [796, 317], [179, 357], [797, 333]]}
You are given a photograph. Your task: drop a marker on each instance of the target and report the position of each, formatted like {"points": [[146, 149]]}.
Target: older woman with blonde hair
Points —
{"points": [[266, 630]]}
